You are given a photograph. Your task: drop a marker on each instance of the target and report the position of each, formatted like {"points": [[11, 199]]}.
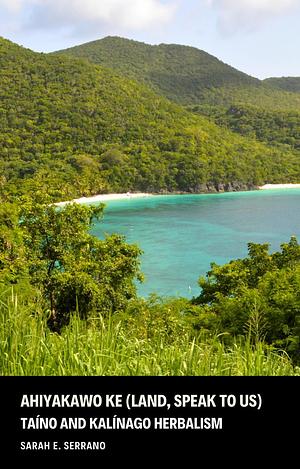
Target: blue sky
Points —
{"points": [[259, 37]]}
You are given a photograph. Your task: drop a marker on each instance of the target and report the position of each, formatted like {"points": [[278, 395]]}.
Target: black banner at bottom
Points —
{"points": [[108, 417]]}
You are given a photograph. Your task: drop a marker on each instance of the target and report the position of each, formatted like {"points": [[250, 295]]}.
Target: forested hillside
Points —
{"points": [[285, 83], [82, 129], [180, 73], [183, 74], [274, 127], [268, 110]]}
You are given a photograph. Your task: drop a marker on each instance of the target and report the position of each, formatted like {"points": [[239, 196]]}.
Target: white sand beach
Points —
{"points": [[104, 198], [279, 186]]}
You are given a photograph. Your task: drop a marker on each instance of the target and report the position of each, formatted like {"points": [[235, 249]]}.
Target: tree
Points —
{"points": [[74, 270], [12, 264], [257, 296]]}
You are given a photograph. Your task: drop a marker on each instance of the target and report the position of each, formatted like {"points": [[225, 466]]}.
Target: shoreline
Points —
{"points": [[104, 198], [136, 195], [279, 186]]}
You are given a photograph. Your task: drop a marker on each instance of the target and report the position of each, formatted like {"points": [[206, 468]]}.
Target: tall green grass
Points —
{"points": [[104, 347]]}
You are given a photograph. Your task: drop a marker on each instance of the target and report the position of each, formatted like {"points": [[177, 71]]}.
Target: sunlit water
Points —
{"points": [[182, 234]]}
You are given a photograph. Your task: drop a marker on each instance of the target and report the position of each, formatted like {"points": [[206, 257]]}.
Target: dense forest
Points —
{"points": [[82, 129], [276, 128], [68, 301], [268, 110], [178, 72], [187, 75], [285, 83], [183, 74]]}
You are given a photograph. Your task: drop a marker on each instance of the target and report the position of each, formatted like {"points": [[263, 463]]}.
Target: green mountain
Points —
{"points": [[73, 126], [285, 83], [273, 127], [180, 73], [268, 110], [183, 74]]}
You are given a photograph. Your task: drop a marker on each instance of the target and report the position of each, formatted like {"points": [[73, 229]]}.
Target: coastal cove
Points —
{"points": [[182, 234]]}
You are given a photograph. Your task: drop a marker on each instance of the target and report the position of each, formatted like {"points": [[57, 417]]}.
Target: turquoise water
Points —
{"points": [[182, 234]]}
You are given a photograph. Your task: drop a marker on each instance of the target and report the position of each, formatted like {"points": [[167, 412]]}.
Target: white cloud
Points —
{"points": [[254, 6], [11, 5], [79, 14], [249, 14]]}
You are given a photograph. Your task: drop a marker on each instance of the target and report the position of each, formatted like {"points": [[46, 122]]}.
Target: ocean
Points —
{"points": [[181, 235]]}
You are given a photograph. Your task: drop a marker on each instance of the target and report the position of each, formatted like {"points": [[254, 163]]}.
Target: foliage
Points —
{"points": [[81, 129], [258, 296], [285, 83], [69, 127], [11, 248], [277, 128], [178, 72], [246, 311], [146, 319], [185, 74], [73, 270], [266, 110], [108, 347]]}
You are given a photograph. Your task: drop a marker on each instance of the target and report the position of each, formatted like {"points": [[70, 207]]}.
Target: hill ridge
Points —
{"points": [[178, 72], [82, 129]]}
